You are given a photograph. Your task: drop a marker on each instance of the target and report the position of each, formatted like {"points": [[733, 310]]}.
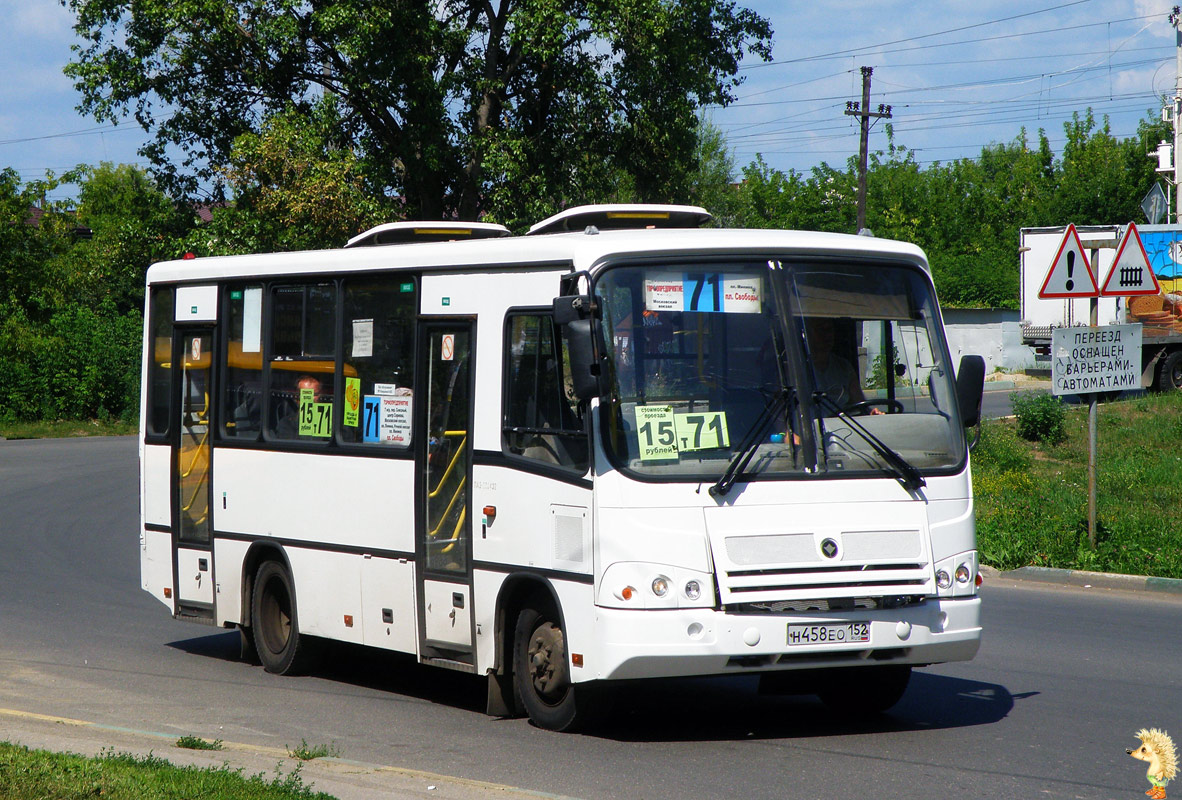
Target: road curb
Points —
{"points": [[342, 778], [1088, 580]]}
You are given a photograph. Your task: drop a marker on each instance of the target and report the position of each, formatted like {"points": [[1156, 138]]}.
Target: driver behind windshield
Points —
{"points": [[834, 376]]}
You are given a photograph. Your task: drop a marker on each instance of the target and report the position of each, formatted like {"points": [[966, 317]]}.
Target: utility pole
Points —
{"points": [[863, 112], [1176, 20]]}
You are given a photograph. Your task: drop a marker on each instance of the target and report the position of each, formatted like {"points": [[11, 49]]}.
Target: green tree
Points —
{"points": [[1101, 179], [132, 224], [32, 233], [297, 186], [711, 177], [460, 106]]}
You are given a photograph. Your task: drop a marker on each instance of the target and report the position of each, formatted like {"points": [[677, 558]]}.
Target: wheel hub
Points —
{"points": [[547, 661]]}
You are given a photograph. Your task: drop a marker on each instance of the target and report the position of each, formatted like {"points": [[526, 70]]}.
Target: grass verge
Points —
{"points": [[65, 428], [36, 774], [1032, 501]]}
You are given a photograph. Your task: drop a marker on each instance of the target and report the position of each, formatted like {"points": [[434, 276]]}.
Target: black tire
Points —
{"points": [[1169, 376], [247, 651], [864, 691], [274, 624], [541, 671]]}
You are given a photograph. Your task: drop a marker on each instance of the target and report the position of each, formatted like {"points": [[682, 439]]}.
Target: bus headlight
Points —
{"points": [[956, 575], [669, 586]]}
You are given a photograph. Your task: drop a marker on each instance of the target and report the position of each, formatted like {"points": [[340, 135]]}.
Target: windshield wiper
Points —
{"points": [[750, 443], [907, 474]]}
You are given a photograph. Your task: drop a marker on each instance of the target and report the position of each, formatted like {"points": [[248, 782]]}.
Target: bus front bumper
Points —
{"points": [[685, 642]]}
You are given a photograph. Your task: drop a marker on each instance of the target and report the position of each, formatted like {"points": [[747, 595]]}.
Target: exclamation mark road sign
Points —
{"points": [[1062, 279]]}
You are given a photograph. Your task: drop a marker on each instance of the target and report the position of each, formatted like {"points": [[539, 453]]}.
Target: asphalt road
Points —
{"points": [[1063, 680]]}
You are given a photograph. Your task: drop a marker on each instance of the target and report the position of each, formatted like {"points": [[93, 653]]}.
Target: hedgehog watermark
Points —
{"points": [[1158, 749]]}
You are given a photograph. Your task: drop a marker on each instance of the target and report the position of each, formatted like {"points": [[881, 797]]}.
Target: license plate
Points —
{"points": [[833, 633]]}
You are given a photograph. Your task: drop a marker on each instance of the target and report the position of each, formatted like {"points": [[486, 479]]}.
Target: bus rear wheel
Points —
{"points": [[541, 675], [274, 624]]}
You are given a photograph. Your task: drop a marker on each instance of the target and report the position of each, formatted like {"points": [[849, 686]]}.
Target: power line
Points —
{"points": [[83, 132], [1058, 29]]}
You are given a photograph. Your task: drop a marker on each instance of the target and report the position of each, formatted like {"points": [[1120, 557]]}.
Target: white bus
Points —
{"points": [[566, 459]]}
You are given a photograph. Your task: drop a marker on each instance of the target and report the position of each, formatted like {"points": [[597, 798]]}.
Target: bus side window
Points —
{"points": [[378, 330], [242, 410], [302, 362], [542, 419], [160, 359]]}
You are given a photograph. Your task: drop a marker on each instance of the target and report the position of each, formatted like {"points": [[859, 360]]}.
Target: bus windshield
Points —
{"points": [[809, 366]]}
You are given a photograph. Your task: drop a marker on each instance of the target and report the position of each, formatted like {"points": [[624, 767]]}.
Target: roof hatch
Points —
{"points": [[415, 232], [613, 216]]}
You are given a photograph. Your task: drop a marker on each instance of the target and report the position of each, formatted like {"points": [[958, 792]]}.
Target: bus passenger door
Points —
{"points": [[191, 524], [443, 518]]}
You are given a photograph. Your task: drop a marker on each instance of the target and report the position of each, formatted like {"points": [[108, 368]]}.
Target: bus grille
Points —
{"points": [[843, 580], [791, 567], [806, 554]]}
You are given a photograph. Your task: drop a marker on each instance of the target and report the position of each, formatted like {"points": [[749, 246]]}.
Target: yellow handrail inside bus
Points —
{"points": [[459, 491], [201, 450], [455, 534], [432, 493]]}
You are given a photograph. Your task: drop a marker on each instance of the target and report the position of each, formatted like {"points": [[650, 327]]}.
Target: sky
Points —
{"points": [[957, 75]]}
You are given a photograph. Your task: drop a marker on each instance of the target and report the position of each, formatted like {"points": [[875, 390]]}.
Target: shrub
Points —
{"points": [[1000, 451], [1041, 417], [81, 363]]}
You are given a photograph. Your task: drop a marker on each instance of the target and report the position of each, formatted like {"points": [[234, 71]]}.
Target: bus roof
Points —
{"points": [[583, 250]]}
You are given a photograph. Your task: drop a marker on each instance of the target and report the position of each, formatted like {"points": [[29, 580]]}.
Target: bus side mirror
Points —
{"points": [[573, 314], [970, 386]]}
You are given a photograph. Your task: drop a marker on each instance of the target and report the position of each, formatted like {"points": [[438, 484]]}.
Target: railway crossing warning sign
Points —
{"points": [[1130, 274], [1070, 274]]}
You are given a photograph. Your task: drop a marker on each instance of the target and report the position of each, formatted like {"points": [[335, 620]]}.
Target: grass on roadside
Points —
{"points": [[36, 774], [307, 752], [66, 428], [197, 743], [1031, 498]]}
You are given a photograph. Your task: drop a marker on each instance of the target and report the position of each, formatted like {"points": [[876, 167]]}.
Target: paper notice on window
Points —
{"points": [[352, 401], [362, 338], [664, 292], [252, 320], [740, 295], [387, 419]]}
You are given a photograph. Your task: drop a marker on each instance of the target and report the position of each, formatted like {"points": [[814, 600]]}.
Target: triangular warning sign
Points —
{"points": [[1070, 274], [1130, 274]]}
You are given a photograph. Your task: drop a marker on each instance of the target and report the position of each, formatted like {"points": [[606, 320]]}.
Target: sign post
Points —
{"points": [[1095, 359]]}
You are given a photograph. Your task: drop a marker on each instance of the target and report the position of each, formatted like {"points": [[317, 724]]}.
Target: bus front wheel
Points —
{"points": [[274, 625], [541, 673]]}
